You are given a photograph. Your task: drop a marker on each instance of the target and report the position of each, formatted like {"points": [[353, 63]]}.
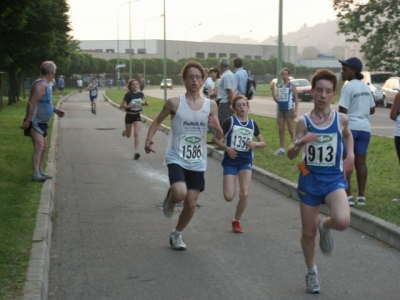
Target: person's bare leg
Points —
{"points": [[244, 183], [362, 173], [189, 208], [309, 221]]}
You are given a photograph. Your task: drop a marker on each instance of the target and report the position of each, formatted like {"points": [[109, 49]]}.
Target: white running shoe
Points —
{"points": [[351, 200], [312, 285], [168, 205], [175, 240], [280, 151], [325, 239], [360, 200]]}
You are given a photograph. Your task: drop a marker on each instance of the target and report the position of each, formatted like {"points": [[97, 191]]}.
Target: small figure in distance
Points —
{"points": [[93, 89], [288, 101], [320, 137], [132, 103]]}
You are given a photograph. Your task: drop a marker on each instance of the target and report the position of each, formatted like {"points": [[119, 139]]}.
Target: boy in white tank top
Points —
{"points": [[186, 154]]}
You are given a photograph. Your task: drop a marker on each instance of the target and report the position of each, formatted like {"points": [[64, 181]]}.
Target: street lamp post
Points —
{"points": [[144, 47], [130, 45], [280, 42], [165, 54], [295, 46], [186, 39], [237, 43]]}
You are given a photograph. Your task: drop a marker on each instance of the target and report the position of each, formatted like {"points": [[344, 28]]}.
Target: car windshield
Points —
{"points": [[303, 82]]}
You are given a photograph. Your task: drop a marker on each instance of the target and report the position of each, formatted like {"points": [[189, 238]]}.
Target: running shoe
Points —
{"points": [[279, 152], [236, 227], [137, 155], [168, 205], [325, 239], [38, 177], [351, 200], [124, 133], [94, 112], [396, 199], [360, 200], [175, 240], [312, 285], [45, 175]]}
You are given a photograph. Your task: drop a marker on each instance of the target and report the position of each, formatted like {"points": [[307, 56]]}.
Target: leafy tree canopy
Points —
{"points": [[378, 21]]}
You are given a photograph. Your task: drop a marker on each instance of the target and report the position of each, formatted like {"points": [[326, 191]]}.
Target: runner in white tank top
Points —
{"points": [[186, 154]]}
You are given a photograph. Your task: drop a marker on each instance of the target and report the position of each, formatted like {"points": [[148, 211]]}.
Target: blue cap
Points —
{"points": [[353, 62]]}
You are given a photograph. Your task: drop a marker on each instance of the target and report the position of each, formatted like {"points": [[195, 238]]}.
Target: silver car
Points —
{"points": [[391, 88], [375, 81]]}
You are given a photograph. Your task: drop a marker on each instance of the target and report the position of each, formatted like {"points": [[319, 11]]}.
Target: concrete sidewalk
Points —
{"points": [[94, 153]]}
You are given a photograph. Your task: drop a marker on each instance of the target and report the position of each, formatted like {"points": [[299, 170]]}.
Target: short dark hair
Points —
{"points": [[324, 74], [238, 62], [192, 64], [215, 70]]}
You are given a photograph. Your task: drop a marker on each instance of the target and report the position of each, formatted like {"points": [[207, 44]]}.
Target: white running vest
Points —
{"points": [[187, 140]]}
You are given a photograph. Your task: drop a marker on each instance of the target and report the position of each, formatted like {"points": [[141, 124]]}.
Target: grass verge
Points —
{"points": [[19, 199]]}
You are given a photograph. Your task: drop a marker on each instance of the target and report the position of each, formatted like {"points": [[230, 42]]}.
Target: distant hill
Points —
{"points": [[322, 36]]}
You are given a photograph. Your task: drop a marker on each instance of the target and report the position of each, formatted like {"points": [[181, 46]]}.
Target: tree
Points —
{"points": [[32, 32], [378, 21]]}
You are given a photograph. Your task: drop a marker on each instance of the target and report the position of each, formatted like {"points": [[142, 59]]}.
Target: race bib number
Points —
{"points": [[239, 138], [322, 152], [283, 95], [138, 104], [191, 148], [93, 92]]}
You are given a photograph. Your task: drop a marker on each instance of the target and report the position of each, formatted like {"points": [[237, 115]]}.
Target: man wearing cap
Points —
{"points": [[226, 90], [357, 102]]}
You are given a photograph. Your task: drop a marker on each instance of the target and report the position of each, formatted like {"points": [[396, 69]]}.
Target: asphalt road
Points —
{"points": [[111, 240], [265, 106]]}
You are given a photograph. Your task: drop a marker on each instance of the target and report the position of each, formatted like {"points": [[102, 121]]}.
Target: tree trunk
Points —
{"points": [[13, 87]]}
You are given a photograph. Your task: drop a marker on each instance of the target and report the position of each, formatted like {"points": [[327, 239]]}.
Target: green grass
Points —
{"points": [[19, 200], [20, 197]]}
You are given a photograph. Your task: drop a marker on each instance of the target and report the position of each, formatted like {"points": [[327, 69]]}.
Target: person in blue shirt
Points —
{"points": [[239, 131], [61, 85], [39, 111], [320, 137], [241, 76]]}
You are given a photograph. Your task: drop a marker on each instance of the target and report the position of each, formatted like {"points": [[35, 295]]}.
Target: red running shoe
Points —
{"points": [[236, 227]]}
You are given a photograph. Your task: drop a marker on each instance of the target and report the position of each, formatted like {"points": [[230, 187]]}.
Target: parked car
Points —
{"points": [[375, 81], [170, 84], [390, 88], [303, 87]]}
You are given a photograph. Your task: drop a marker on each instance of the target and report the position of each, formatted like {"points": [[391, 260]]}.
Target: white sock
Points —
{"points": [[176, 231], [312, 270]]}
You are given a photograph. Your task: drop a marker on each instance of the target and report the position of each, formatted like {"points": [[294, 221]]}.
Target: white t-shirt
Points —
{"points": [[357, 98]]}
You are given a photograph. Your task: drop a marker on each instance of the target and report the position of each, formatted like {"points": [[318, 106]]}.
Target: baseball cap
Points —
{"points": [[353, 62]]}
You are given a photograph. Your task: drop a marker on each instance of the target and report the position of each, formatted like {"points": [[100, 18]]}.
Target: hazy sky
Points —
{"points": [[100, 19]]}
